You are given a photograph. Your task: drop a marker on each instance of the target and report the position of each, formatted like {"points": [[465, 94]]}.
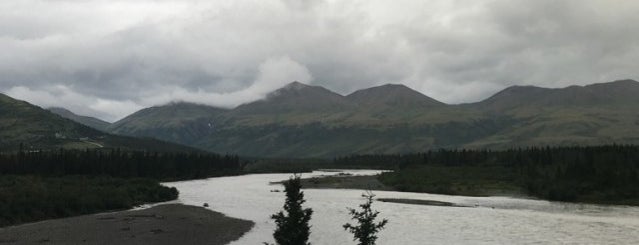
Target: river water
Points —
{"points": [[490, 220]]}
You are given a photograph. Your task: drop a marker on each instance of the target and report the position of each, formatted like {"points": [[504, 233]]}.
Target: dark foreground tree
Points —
{"points": [[367, 229], [292, 222]]}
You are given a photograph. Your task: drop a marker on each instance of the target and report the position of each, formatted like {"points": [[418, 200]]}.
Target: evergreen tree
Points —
{"points": [[367, 229], [292, 222]]}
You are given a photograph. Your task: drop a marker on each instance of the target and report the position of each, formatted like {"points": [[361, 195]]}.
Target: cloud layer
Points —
{"points": [[110, 58]]}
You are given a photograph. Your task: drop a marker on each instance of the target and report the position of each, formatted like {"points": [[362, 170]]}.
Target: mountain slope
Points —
{"points": [[392, 95], [294, 104], [176, 122], [297, 97], [87, 121], [309, 121], [393, 104], [392, 119], [602, 113], [616, 93], [37, 128]]}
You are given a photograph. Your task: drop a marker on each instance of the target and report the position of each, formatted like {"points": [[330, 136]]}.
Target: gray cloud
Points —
{"points": [[110, 58]]}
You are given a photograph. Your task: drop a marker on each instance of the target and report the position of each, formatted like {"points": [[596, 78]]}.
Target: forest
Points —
{"points": [[36, 185], [594, 174], [44, 184], [27, 198], [119, 163]]}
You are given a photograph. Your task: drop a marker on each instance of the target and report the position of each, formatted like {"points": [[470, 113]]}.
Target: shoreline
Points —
{"points": [[422, 202], [161, 224], [371, 182], [363, 182]]}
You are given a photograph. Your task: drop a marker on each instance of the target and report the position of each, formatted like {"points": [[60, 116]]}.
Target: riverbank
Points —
{"points": [[163, 224], [368, 182], [420, 202], [469, 187], [495, 220], [31, 198]]}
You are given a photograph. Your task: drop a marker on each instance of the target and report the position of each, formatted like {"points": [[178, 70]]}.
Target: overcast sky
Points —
{"points": [[110, 58]]}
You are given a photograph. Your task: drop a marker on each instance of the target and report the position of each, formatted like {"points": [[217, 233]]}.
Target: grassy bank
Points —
{"points": [[465, 181], [346, 182], [455, 180], [27, 198]]}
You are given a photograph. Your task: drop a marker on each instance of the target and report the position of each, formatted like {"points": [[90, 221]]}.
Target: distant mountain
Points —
{"points": [[392, 95], [35, 128], [300, 120], [294, 104], [602, 113], [297, 97], [179, 122], [622, 92], [85, 120], [391, 104]]}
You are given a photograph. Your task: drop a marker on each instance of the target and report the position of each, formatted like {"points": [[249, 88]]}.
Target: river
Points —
{"points": [[490, 220]]}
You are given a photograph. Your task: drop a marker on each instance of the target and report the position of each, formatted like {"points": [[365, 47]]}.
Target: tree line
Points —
{"points": [[27, 198], [44, 184], [119, 163], [602, 174]]}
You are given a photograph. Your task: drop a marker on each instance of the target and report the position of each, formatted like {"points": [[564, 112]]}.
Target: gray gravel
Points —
{"points": [[163, 224]]}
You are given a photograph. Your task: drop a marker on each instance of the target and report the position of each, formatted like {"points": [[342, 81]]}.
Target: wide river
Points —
{"points": [[491, 220]]}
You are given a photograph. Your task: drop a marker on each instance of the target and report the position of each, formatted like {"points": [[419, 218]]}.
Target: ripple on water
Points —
{"points": [[496, 220]]}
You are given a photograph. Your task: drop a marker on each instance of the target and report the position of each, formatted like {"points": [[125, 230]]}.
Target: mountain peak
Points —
{"points": [[297, 90], [296, 85], [620, 92], [394, 86], [622, 84], [177, 121], [60, 110], [297, 96], [175, 111], [85, 120], [392, 95], [518, 90]]}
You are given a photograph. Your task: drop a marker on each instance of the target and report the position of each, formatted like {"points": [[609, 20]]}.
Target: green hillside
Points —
{"points": [[300, 120], [176, 122], [35, 128], [84, 120]]}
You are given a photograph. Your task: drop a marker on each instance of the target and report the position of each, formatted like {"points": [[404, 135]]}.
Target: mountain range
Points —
{"points": [[301, 120], [26, 126], [84, 120]]}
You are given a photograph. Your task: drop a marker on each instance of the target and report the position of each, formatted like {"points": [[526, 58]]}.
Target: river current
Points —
{"points": [[489, 220]]}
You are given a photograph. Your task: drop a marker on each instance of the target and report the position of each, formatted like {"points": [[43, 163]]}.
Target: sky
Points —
{"points": [[109, 58]]}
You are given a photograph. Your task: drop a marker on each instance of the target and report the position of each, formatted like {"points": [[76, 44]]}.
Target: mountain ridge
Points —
{"points": [[296, 96], [392, 95], [571, 95], [300, 120], [176, 122], [85, 120], [29, 127]]}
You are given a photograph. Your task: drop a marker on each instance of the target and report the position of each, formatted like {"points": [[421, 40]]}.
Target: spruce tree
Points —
{"points": [[292, 222], [366, 230]]}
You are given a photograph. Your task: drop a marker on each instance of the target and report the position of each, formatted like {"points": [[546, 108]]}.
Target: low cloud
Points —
{"points": [[108, 58], [62, 96], [273, 73]]}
